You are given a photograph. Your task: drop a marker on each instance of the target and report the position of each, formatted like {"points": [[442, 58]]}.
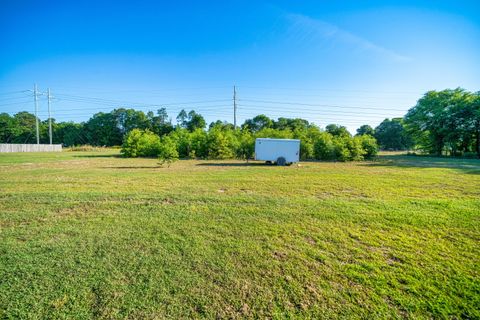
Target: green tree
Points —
{"points": [[8, 128], [391, 135], [182, 119], [129, 119], [224, 125], [336, 130], [198, 144], [246, 144], [139, 143], [365, 129], [25, 128], [324, 147], [307, 136], [195, 121], [102, 130], [274, 133], [291, 124], [369, 145], [222, 144], [68, 133], [168, 152], [182, 138], [160, 124], [444, 121], [258, 123]]}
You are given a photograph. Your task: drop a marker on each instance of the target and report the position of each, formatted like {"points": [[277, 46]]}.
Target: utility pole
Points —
{"points": [[36, 111], [49, 117], [234, 107]]}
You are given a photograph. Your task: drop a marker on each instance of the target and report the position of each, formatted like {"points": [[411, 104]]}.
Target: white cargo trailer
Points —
{"points": [[279, 151]]}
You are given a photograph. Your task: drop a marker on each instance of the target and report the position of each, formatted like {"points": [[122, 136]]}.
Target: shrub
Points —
{"points": [[168, 152], [341, 151], [324, 148], [246, 145], [369, 145], [139, 143], [355, 148], [223, 142]]}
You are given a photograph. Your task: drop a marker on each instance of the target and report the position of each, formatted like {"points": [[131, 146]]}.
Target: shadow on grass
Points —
{"points": [[470, 166], [135, 167], [98, 156], [233, 164]]}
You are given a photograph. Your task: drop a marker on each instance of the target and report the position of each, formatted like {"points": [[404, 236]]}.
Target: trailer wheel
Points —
{"points": [[281, 161]]}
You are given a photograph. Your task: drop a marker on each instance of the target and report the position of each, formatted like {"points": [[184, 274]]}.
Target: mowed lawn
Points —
{"points": [[93, 235]]}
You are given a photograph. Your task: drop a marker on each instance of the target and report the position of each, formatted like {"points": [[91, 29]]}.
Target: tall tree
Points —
{"points": [[182, 118], [292, 124], [25, 128], [337, 130], [8, 128], [258, 123], [69, 133], [102, 130], [129, 119], [365, 129], [445, 120], [160, 124], [391, 135], [195, 121]]}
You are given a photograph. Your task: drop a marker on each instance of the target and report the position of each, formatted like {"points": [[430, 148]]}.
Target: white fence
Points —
{"points": [[10, 147]]}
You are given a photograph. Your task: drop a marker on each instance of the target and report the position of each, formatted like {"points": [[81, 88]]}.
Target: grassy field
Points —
{"points": [[93, 235]]}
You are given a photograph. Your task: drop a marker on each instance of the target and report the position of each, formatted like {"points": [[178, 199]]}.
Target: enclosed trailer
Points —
{"points": [[279, 151]]}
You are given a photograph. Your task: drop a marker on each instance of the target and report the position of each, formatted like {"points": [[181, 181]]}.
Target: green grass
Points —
{"points": [[92, 235]]}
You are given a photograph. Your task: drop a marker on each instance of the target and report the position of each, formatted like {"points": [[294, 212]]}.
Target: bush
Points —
{"points": [[223, 142], [168, 152], [369, 144], [246, 146], [340, 148], [139, 143], [355, 147], [324, 148]]}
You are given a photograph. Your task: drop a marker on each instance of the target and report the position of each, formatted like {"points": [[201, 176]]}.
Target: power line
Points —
{"points": [[15, 98], [333, 90], [318, 105], [119, 102], [173, 109], [143, 90], [15, 103], [311, 111], [11, 92], [320, 113]]}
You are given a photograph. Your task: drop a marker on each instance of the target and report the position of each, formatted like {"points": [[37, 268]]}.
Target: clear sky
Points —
{"points": [[345, 62]]}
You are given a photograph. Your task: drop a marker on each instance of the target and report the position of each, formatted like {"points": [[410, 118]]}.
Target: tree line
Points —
{"points": [[222, 141], [442, 122]]}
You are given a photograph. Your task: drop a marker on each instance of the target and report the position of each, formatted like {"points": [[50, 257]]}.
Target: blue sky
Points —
{"points": [[346, 62]]}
